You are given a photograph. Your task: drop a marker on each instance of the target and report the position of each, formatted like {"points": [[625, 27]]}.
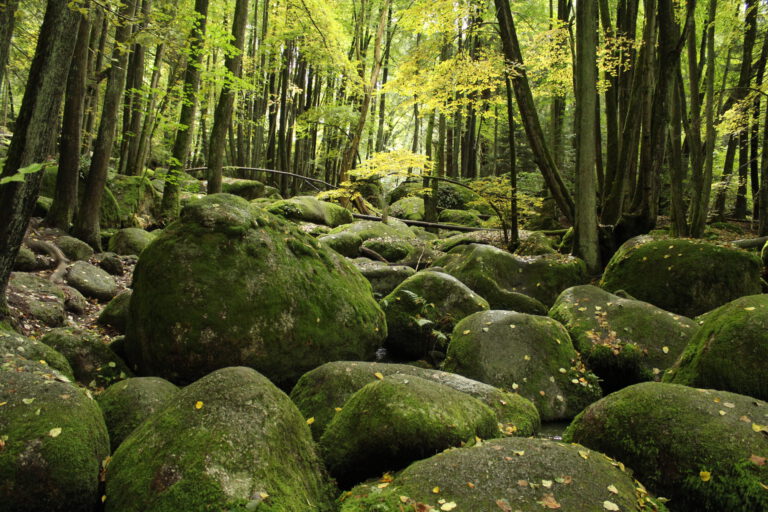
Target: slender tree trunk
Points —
{"points": [[149, 119], [181, 145], [528, 112], [34, 135], [65, 194], [97, 48], [514, 231], [586, 243], [755, 133], [86, 225], [7, 24], [223, 115]]}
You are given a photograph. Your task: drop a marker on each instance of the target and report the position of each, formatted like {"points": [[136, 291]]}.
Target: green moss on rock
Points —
{"points": [[391, 249], [93, 363], [322, 393], [126, 404], [687, 277], [529, 354], [669, 434], [526, 475], [399, 419], [366, 229], [460, 217], [73, 248], [729, 351], [230, 441], [28, 348], [498, 275], [623, 341], [423, 309], [247, 189], [310, 209], [409, 208], [383, 277], [230, 284], [130, 241], [115, 314], [91, 281], [54, 441], [37, 297]]}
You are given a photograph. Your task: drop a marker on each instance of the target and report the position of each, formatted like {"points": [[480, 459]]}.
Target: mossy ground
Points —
{"points": [[669, 434]]}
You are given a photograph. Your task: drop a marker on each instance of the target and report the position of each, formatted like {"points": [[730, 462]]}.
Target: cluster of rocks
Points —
{"points": [[269, 363]]}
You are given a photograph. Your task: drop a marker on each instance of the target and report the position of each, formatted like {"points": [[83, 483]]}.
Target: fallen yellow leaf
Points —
{"points": [[613, 489], [198, 405], [584, 454], [378, 375], [435, 490], [54, 432], [609, 505], [705, 476], [310, 420], [448, 506]]}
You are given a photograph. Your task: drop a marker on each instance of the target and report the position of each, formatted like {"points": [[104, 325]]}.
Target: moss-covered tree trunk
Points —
{"points": [[86, 226], [34, 135], [7, 24], [170, 204], [65, 194], [223, 115]]}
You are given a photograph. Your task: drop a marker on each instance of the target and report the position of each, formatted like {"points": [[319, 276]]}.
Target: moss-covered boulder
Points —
{"points": [[111, 263], [73, 248], [53, 441], [247, 189], [729, 351], [93, 363], [230, 284], [623, 341], [27, 261], [383, 277], [513, 474], [311, 209], [115, 314], [499, 276], [15, 344], [37, 298], [422, 311], [130, 241], [366, 229], [460, 217], [126, 404], [321, 393], [529, 354], [408, 208], [394, 421], [703, 449], [345, 243], [449, 195], [391, 249], [535, 243], [91, 281], [687, 277], [230, 441], [129, 201]]}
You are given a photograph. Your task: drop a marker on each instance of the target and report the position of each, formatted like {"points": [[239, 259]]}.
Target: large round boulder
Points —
{"points": [[53, 441], [729, 351], [529, 354], [230, 284], [687, 277], [383, 277], [91, 281], [310, 209], [73, 248], [37, 298], [321, 393], [422, 311], [397, 420], [502, 277], [126, 404], [12, 343], [230, 441], [623, 341], [703, 449], [409, 208], [130, 241], [505, 475]]}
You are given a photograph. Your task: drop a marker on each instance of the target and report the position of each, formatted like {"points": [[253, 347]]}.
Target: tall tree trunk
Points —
{"points": [[149, 119], [170, 204], [755, 133], [585, 240], [514, 232], [65, 194], [86, 225], [35, 131], [350, 153], [528, 113], [97, 48], [703, 187], [223, 115], [7, 24]]}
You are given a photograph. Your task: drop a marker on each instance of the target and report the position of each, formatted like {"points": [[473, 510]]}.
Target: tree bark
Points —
{"points": [[223, 115], [169, 206], [528, 112], [34, 135], [7, 24], [86, 226], [65, 194]]}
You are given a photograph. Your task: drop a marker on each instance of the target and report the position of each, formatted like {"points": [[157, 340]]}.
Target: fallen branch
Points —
{"points": [[751, 243]]}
